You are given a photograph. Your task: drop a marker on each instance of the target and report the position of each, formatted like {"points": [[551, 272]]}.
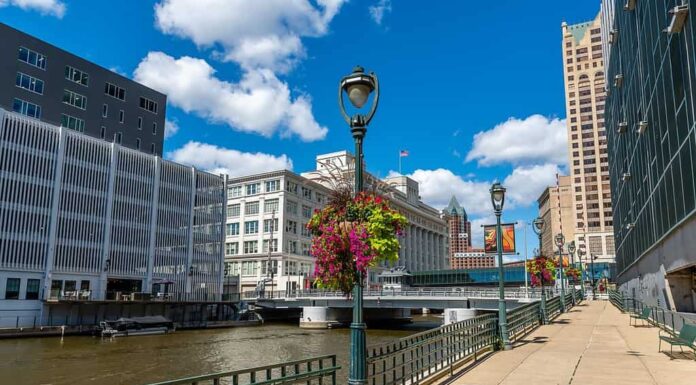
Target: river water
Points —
{"points": [[146, 359]]}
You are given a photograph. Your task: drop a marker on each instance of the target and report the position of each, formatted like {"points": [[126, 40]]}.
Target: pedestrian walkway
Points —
{"points": [[591, 344]]}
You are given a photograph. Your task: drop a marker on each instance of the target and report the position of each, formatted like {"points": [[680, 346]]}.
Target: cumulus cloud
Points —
{"points": [[259, 103], [220, 160], [378, 10], [534, 140], [252, 33], [46, 7], [171, 127], [526, 184]]}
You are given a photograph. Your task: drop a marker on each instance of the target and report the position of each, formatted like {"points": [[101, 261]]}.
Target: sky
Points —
{"points": [[473, 90]]}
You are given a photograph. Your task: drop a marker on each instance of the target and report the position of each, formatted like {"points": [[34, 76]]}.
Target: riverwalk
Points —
{"points": [[591, 344]]}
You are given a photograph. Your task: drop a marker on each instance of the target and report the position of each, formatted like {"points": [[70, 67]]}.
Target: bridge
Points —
{"points": [[321, 309]]}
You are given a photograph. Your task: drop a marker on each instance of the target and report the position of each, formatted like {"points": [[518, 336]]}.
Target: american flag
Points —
{"points": [[403, 153]]}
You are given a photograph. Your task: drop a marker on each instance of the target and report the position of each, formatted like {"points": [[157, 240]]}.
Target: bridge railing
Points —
{"points": [[416, 357], [319, 370], [523, 320], [423, 292], [668, 320]]}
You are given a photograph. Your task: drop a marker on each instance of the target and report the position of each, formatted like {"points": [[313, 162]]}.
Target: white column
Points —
{"points": [[153, 224], [189, 251], [107, 263], [55, 202]]}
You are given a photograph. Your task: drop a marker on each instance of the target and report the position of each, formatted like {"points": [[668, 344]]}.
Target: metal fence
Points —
{"points": [[523, 320], [668, 320], [414, 358], [421, 292], [318, 370]]}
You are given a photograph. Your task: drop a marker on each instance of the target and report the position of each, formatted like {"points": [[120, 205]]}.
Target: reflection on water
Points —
{"points": [[140, 360]]}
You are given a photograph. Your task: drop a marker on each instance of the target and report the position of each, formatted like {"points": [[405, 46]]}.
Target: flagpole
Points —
{"points": [[400, 163]]}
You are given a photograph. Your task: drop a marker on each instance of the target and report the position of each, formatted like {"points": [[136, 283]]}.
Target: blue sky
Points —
{"points": [[472, 89]]}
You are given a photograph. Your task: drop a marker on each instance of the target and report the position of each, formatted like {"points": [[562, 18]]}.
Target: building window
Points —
{"points": [[251, 227], [154, 128], [74, 99], [149, 105], [32, 289], [234, 191], [231, 248], [251, 247], [270, 206], [291, 227], [270, 225], [306, 211], [253, 188], [73, 123], [115, 91], [103, 132], [292, 248], [291, 187], [105, 110], [77, 76], [32, 58], [291, 207], [233, 210], [596, 245], [12, 288], [29, 83], [251, 208], [272, 185], [117, 137], [137, 143], [26, 108], [152, 148], [232, 229], [306, 193], [274, 246], [121, 116], [140, 122], [305, 231]]}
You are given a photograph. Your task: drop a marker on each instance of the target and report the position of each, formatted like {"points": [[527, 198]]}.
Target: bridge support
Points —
{"points": [[453, 315]]}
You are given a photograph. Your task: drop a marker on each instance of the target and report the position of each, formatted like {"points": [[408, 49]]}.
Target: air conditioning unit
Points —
{"points": [[625, 177], [618, 80], [678, 14], [630, 5], [622, 127], [642, 126]]}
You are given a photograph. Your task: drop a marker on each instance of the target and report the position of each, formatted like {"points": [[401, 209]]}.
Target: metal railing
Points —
{"points": [[667, 320], [414, 358], [553, 307], [523, 320], [319, 370], [491, 293], [117, 296]]}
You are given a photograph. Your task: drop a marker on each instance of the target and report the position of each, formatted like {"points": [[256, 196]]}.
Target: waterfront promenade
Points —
{"points": [[592, 344]]}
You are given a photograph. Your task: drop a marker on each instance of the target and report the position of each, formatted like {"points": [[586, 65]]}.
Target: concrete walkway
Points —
{"points": [[592, 344]]}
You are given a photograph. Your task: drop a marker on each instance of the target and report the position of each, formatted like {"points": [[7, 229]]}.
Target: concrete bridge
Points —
{"points": [[321, 309]]}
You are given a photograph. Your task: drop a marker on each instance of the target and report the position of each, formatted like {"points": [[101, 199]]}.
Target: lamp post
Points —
{"points": [[539, 229], [498, 199], [358, 86], [571, 251], [581, 252], [560, 240], [592, 276]]}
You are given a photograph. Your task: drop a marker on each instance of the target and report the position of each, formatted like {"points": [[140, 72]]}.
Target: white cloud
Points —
{"points": [[171, 127], [477, 229], [259, 103], [526, 184], [252, 33], [46, 7], [220, 160], [378, 10], [533, 140]]}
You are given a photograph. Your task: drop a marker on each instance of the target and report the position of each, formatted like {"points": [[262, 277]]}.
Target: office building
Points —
{"points": [[652, 149], [584, 79], [556, 209], [461, 254], [47, 83], [472, 258], [83, 220]]}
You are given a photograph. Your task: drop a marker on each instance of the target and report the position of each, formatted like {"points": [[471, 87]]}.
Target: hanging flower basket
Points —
{"points": [[542, 271], [351, 235], [573, 274]]}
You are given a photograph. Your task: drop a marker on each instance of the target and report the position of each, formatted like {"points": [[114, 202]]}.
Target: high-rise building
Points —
{"points": [[556, 209], [62, 89], [86, 221], [584, 78], [652, 148], [460, 252]]}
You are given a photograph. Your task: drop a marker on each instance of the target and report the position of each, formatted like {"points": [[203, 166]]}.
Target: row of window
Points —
{"points": [[273, 186], [29, 83], [26, 108], [32, 58], [12, 286]]}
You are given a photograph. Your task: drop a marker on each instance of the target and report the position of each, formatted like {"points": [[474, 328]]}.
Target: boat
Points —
{"points": [[136, 326]]}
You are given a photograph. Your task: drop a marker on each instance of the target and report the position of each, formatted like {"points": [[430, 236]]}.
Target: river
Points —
{"points": [[146, 359]]}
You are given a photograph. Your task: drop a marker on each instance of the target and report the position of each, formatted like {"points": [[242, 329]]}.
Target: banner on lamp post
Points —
{"points": [[490, 243]]}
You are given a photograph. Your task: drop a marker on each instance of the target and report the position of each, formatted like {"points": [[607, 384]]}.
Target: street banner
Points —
{"points": [[489, 238]]}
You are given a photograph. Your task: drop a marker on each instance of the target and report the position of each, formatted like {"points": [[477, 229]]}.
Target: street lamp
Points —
{"points": [[498, 199], [358, 86], [560, 240], [592, 258], [571, 251], [538, 230], [581, 252]]}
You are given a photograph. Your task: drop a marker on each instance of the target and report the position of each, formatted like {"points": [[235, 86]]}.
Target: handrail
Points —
{"points": [[382, 293], [523, 319], [317, 368], [667, 320]]}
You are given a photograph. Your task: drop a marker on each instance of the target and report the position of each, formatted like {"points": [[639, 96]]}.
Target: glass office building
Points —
{"points": [[650, 116]]}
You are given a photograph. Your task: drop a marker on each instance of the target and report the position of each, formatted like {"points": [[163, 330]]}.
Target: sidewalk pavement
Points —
{"points": [[591, 344]]}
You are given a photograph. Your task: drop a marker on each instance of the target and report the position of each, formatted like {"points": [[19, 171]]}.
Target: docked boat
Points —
{"points": [[136, 326]]}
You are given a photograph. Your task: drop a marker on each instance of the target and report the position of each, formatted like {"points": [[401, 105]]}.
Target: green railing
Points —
{"points": [[523, 320], [415, 358], [553, 307], [616, 298], [318, 370], [667, 320]]}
